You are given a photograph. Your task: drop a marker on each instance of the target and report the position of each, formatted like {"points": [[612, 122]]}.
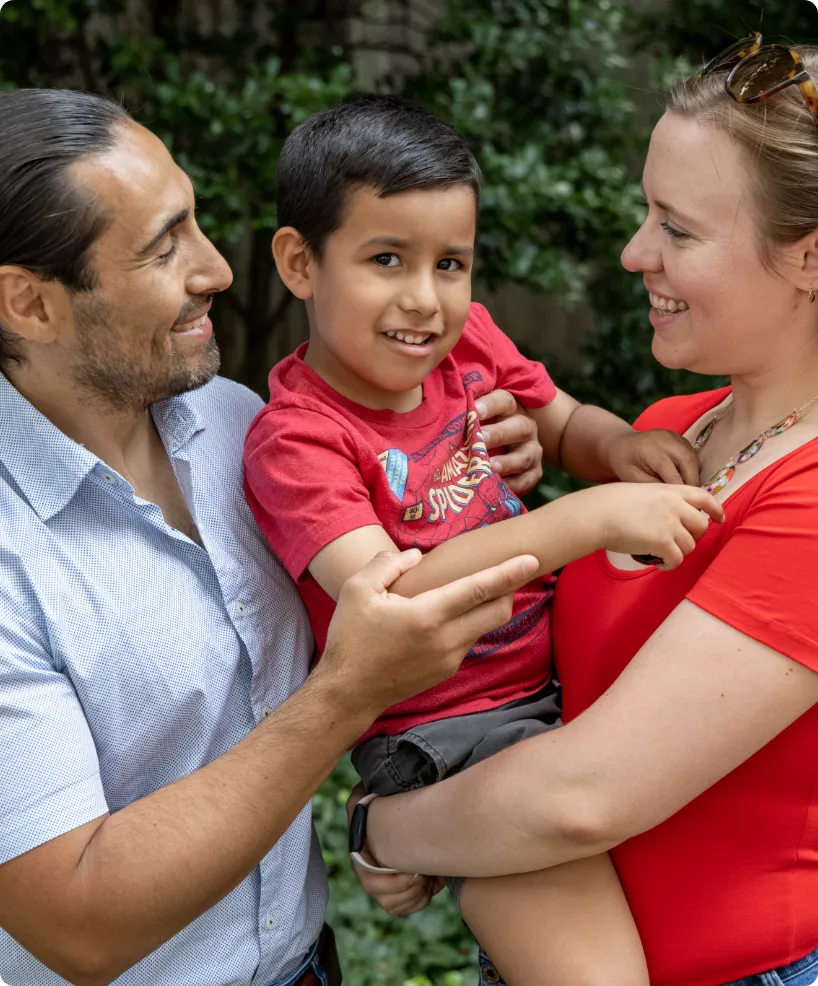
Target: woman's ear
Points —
{"points": [[806, 278], [293, 258], [28, 308]]}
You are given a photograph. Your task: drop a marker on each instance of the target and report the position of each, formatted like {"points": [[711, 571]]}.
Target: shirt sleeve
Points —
{"points": [[50, 778], [760, 581], [527, 379], [304, 484]]}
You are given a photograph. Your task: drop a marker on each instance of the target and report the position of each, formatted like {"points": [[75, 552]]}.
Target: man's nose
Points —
{"points": [[210, 272]]}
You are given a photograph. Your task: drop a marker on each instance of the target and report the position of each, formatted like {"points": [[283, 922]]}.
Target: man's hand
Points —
{"points": [[383, 648], [653, 457], [512, 429], [399, 894]]}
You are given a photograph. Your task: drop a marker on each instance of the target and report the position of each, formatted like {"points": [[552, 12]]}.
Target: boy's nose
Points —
{"points": [[420, 298]]}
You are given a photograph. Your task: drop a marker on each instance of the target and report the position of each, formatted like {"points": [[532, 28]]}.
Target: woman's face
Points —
{"points": [[715, 307]]}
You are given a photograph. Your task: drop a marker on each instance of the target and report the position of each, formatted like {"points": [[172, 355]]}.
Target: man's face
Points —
{"points": [[142, 334]]}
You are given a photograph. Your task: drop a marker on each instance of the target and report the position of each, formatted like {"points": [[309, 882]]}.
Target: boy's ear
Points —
{"points": [[292, 257]]}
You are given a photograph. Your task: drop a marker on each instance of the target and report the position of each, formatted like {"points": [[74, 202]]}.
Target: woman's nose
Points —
{"points": [[641, 254]]}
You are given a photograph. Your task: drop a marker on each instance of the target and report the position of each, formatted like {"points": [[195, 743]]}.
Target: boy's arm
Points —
{"points": [[635, 519], [593, 444]]}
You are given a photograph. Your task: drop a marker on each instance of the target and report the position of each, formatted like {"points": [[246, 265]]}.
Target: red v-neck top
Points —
{"points": [[728, 886]]}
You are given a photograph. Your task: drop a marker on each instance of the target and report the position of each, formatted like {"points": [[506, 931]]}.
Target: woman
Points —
{"points": [[691, 744]]}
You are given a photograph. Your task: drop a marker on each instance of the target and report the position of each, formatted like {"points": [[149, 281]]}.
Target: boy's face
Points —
{"points": [[397, 266]]}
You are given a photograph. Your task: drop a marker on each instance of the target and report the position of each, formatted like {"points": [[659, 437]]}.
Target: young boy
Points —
{"points": [[371, 442]]}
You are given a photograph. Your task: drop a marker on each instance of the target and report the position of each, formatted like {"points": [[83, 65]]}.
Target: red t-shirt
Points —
{"points": [[318, 466], [728, 886]]}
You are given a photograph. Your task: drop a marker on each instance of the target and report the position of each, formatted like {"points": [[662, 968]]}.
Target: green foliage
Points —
{"points": [[538, 89]]}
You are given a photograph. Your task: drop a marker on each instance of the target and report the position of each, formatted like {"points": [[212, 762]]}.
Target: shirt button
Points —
{"points": [[241, 608], [109, 477], [269, 922], [265, 711]]}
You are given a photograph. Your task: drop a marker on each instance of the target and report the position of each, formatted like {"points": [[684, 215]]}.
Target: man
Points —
{"points": [[160, 736]]}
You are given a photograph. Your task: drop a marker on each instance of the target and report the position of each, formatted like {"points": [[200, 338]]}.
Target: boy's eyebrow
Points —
{"points": [[396, 241]]}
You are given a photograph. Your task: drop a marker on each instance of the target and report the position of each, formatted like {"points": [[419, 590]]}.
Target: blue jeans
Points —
{"points": [[804, 972]]}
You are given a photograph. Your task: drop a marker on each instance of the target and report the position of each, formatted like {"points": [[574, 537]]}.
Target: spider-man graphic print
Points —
{"points": [[318, 466]]}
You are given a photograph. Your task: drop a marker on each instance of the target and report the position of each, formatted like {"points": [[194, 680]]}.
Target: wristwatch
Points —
{"points": [[357, 836]]}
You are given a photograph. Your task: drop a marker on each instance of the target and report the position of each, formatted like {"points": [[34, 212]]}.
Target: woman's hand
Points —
{"points": [[399, 894], [511, 428]]}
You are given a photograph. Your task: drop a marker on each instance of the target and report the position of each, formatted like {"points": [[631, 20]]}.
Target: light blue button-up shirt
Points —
{"points": [[130, 657]]}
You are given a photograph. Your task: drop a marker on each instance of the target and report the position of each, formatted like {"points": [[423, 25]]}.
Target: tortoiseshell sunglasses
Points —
{"points": [[757, 71]]}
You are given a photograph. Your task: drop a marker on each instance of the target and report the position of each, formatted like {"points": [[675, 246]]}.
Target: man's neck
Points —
{"points": [[123, 440]]}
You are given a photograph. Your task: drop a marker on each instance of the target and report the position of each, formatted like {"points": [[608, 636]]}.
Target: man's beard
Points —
{"points": [[113, 375]]}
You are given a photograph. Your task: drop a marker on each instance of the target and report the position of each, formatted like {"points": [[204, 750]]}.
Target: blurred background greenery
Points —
{"points": [[557, 98]]}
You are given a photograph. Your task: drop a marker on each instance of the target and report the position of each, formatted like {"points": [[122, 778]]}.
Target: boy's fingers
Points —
{"points": [[704, 501], [461, 597], [687, 462], [668, 471]]}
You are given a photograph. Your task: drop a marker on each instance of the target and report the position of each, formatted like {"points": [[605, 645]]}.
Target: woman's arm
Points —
{"points": [[698, 700]]}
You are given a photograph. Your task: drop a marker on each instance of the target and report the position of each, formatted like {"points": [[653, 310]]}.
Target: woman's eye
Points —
{"points": [[677, 234], [449, 264], [387, 260]]}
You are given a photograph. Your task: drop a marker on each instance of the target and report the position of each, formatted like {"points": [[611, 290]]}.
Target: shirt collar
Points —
{"points": [[48, 466]]}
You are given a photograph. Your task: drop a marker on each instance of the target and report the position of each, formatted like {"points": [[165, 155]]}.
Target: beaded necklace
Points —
{"points": [[718, 482]]}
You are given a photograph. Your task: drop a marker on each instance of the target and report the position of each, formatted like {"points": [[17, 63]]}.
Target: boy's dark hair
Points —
{"points": [[380, 142], [47, 222]]}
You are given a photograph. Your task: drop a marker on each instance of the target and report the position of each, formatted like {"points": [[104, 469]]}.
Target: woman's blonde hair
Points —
{"points": [[780, 139]]}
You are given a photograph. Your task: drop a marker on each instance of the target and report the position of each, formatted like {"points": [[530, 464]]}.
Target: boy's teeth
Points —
{"points": [[410, 339]]}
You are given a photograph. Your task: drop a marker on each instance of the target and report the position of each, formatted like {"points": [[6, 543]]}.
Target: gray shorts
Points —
{"points": [[427, 754]]}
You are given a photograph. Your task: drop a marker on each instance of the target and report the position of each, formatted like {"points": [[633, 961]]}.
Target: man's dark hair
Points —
{"points": [[383, 143], [47, 222]]}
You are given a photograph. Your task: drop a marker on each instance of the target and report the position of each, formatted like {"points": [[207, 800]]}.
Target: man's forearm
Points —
{"points": [[584, 445], [556, 534], [155, 866]]}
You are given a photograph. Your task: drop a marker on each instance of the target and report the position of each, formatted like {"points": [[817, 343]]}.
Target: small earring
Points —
{"points": [[812, 295]]}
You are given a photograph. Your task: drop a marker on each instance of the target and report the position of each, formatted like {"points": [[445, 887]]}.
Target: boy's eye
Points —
{"points": [[449, 264], [671, 231], [387, 260]]}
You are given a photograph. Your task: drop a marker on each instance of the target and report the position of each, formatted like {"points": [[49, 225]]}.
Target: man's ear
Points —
{"points": [[28, 307], [293, 260]]}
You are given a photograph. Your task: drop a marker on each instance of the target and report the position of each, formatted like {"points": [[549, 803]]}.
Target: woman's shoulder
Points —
{"points": [[678, 413]]}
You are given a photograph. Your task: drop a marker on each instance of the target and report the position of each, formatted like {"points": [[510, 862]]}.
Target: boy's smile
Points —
{"points": [[390, 294]]}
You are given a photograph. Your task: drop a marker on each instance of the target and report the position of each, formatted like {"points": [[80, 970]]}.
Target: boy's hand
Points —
{"points": [[665, 521], [511, 428], [653, 457]]}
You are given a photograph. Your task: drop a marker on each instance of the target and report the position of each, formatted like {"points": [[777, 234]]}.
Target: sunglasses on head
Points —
{"points": [[757, 71]]}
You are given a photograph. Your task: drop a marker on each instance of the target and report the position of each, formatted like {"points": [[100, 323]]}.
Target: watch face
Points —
{"points": [[357, 828]]}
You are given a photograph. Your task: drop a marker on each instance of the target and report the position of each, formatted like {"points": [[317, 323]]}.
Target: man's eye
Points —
{"points": [[449, 264], [169, 254], [386, 260]]}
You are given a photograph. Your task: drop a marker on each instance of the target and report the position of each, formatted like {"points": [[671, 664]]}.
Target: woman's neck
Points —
{"points": [[762, 398]]}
